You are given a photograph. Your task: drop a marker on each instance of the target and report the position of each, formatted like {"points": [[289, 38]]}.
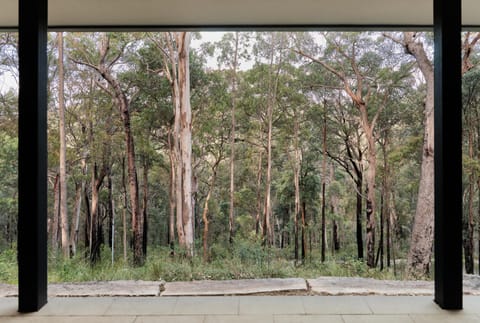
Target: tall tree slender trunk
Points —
{"points": [[324, 183], [205, 224], [358, 179], [124, 210], [205, 210], [232, 141], [267, 226], [79, 187], [145, 204], [63, 149], [381, 242], [358, 216], [259, 192], [172, 195], [56, 213], [389, 229], [296, 179], [385, 219], [88, 224], [110, 210], [273, 79], [383, 204], [334, 211], [304, 233], [95, 223]]}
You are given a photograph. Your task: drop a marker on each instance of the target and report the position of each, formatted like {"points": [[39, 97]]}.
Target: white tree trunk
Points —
{"points": [[63, 151], [183, 46]]}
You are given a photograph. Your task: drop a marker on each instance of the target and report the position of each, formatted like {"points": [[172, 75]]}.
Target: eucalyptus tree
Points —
{"points": [[271, 51], [337, 126], [63, 149], [421, 246], [211, 131], [233, 50], [105, 53], [294, 129], [174, 48], [356, 61]]}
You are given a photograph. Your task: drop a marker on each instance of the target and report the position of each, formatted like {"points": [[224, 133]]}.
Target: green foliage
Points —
{"points": [[8, 266], [298, 91]]}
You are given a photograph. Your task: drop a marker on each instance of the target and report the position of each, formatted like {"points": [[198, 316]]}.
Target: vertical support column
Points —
{"points": [[32, 156], [448, 154]]}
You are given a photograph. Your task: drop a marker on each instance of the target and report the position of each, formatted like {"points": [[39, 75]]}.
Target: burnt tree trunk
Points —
{"points": [[304, 229]]}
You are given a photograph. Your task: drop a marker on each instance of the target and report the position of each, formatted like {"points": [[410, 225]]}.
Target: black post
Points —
{"points": [[448, 154], [32, 156]]}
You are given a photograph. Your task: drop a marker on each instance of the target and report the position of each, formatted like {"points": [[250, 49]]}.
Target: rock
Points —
{"points": [[106, 288], [368, 286], [7, 290], [235, 287]]}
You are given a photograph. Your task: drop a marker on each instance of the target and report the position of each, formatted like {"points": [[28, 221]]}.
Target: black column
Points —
{"points": [[448, 154], [32, 156]]}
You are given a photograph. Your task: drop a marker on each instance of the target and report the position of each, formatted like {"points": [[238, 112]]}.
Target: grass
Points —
{"points": [[245, 261]]}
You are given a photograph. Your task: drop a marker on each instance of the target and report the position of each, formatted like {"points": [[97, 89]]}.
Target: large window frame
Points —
{"points": [[32, 223]]}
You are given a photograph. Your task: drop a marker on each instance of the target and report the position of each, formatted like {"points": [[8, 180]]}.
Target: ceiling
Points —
{"points": [[211, 13]]}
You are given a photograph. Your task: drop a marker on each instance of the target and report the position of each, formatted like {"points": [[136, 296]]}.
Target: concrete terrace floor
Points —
{"points": [[244, 309]]}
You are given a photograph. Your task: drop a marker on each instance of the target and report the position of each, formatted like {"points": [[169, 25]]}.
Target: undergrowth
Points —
{"points": [[244, 261]]}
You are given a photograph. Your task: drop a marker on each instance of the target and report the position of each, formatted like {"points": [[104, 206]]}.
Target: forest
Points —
{"points": [[201, 155]]}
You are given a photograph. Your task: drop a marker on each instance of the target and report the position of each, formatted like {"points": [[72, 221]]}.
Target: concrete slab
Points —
{"points": [[446, 318], [235, 287], [368, 286], [403, 305], [239, 319], [106, 288], [377, 318], [335, 305], [244, 309], [206, 305], [471, 305], [308, 319], [69, 319], [142, 306], [171, 319], [260, 305], [8, 306], [75, 306]]}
